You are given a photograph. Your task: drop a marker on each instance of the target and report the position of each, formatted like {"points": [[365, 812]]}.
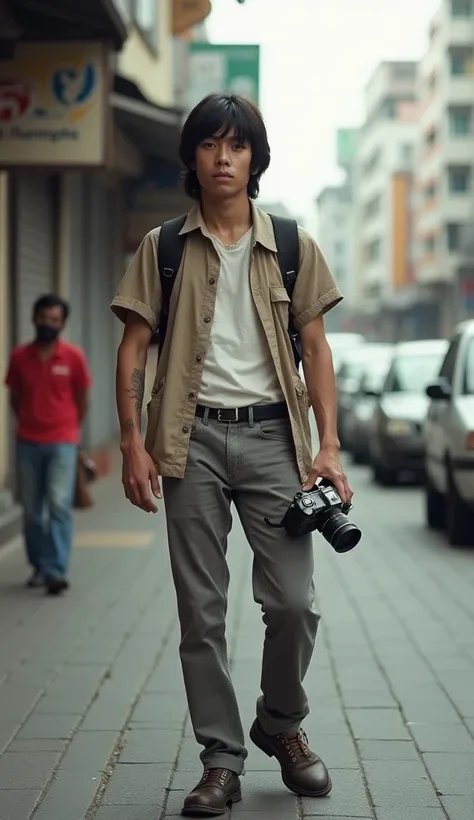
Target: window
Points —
{"points": [[449, 363], [461, 8], [373, 207], [430, 191], [411, 374], [469, 372], [460, 121], [406, 153], [461, 61], [459, 179], [431, 138], [453, 236], [146, 18], [430, 244], [374, 250]]}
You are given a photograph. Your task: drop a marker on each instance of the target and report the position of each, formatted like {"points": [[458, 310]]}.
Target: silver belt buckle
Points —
{"points": [[222, 414]]}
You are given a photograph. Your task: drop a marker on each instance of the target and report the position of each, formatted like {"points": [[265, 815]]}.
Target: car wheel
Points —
{"points": [[383, 476], [435, 506], [459, 518]]}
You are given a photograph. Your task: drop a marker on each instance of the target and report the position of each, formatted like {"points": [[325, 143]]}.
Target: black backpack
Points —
{"points": [[170, 251]]}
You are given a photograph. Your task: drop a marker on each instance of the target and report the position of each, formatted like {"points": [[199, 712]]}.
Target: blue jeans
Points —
{"points": [[47, 478]]}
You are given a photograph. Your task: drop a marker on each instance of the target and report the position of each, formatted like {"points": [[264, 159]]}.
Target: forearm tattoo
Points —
{"points": [[136, 392]]}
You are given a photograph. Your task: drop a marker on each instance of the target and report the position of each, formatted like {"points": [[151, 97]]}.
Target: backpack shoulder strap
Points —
{"points": [[170, 252], [288, 249]]}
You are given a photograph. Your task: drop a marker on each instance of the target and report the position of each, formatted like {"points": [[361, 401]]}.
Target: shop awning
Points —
{"points": [[69, 20], [153, 129]]}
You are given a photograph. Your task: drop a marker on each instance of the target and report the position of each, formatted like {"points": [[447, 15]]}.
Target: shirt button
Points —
{"points": [[198, 359], [212, 281], [207, 319], [185, 429], [191, 396]]}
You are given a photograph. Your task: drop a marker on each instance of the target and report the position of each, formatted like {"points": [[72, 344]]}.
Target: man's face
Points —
{"points": [[223, 165], [52, 318]]}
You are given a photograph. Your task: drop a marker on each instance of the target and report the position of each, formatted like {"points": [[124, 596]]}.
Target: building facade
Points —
{"points": [[88, 164], [383, 183], [444, 210]]}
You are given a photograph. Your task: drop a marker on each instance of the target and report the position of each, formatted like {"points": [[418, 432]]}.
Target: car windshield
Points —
{"points": [[374, 376], [469, 375], [412, 374]]}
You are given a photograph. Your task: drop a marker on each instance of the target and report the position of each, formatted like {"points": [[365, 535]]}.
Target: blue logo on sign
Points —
{"points": [[73, 86]]}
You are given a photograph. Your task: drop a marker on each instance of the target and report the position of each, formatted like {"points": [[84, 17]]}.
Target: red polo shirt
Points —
{"points": [[47, 392]]}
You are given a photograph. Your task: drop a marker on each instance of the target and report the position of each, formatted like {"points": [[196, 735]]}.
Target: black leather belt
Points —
{"points": [[261, 412]]}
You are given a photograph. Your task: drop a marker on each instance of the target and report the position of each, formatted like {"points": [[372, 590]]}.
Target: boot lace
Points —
{"points": [[214, 777], [297, 747]]}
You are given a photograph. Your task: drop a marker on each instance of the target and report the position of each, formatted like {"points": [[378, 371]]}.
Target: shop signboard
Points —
{"points": [[54, 105], [234, 68]]}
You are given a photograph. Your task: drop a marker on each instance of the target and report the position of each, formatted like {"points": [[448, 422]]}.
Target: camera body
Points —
{"points": [[323, 510]]}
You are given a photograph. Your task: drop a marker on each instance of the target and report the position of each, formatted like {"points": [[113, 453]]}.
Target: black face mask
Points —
{"points": [[46, 333]]}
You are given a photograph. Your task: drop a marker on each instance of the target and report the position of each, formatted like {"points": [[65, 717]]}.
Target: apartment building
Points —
{"points": [[444, 210], [382, 196]]}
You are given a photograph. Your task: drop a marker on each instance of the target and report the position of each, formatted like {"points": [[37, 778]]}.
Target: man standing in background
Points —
{"points": [[49, 381]]}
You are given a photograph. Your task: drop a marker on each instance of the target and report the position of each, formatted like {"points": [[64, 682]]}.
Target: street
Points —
{"points": [[93, 720]]}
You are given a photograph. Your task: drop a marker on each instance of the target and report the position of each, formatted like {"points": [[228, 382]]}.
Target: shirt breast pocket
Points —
{"points": [[280, 303]]}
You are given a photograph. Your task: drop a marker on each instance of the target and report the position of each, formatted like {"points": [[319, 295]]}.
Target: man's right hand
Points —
{"points": [[139, 473]]}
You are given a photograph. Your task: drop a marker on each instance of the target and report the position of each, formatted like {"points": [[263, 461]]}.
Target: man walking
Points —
{"points": [[48, 381], [228, 424]]}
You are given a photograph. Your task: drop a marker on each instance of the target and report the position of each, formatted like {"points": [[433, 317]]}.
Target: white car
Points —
{"points": [[449, 442]]}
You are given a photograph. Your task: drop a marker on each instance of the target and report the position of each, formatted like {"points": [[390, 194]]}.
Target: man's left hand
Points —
{"points": [[327, 464]]}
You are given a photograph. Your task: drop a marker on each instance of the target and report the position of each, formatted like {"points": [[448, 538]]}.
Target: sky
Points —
{"points": [[316, 57]]}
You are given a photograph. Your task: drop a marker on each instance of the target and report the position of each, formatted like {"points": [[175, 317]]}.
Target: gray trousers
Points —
{"points": [[254, 466]]}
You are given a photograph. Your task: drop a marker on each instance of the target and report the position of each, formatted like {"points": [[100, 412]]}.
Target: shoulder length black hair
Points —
{"points": [[219, 114]]}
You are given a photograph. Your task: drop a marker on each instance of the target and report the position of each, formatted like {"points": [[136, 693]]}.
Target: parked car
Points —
{"points": [[449, 441], [358, 422], [396, 434], [353, 363], [341, 343]]}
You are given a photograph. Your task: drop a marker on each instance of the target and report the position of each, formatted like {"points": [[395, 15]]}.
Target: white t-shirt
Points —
{"points": [[239, 369]]}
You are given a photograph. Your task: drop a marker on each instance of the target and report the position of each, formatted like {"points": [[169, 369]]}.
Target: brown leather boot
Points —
{"points": [[215, 791], [302, 771]]}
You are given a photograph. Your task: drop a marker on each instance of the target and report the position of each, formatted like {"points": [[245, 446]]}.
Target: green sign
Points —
{"points": [[346, 145], [234, 68]]}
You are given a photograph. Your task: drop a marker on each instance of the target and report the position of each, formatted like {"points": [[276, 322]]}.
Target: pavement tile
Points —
{"points": [[41, 745], [71, 791], [264, 792], [136, 785], [127, 813], [452, 773], [417, 813], [347, 799], [26, 770], [453, 738], [377, 724], [459, 807], [387, 750], [17, 805], [89, 751], [402, 783], [151, 746], [49, 727]]}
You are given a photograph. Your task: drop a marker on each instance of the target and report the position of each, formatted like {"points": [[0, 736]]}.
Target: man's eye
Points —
{"points": [[238, 146], [208, 145]]}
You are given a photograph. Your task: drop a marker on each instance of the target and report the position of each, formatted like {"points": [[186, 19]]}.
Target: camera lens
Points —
{"points": [[340, 532]]}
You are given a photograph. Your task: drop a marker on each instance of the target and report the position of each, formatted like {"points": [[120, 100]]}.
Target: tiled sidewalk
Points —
{"points": [[93, 720]]}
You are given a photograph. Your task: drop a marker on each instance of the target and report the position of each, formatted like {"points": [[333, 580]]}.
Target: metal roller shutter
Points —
{"points": [[34, 247]]}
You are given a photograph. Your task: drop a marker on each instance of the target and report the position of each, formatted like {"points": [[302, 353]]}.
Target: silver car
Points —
{"points": [[358, 422], [396, 435], [449, 442], [354, 362]]}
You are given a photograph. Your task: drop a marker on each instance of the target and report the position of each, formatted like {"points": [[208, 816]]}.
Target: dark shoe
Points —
{"points": [[302, 771], [217, 789], [56, 586], [36, 580]]}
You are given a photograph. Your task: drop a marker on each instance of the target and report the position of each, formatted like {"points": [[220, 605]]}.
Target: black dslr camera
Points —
{"points": [[321, 509]]}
